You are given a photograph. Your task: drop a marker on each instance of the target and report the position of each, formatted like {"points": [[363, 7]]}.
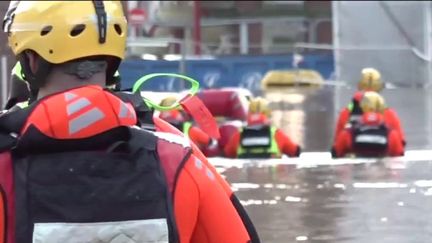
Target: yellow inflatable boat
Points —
{"points": [[292, 78]]}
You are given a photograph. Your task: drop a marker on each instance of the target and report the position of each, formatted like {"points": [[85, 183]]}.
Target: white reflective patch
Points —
{"points": [[134, 231], [257, 141], [173, 138], [377, 139]]}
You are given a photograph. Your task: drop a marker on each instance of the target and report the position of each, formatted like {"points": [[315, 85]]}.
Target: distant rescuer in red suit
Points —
{"points": [[370, 81], [259, 139], [370, 136]]}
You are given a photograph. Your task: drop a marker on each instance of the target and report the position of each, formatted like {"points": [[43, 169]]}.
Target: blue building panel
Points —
{"points": [[232, 71]]}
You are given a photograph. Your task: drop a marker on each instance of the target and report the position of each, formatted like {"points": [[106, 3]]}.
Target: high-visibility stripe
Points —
{"points": [[256, 141], [123, 110], [77, 105], [85, 120], [373, 139]]}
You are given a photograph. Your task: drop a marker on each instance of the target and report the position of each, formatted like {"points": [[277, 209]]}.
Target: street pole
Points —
{"points": [[336, 55], [182, 63], [197, 27], [244, 36]]}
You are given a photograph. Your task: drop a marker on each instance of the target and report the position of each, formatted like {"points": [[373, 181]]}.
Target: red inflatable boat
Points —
{"points": [[229, 107]]}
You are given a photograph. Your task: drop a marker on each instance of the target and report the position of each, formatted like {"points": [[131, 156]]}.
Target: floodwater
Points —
{"points": [[371, 201]]}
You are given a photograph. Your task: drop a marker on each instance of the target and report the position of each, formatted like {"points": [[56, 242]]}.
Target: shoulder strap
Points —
{"points": [[142, 138], [7, 142], [144, 113], [11, 123], [14, 119]]}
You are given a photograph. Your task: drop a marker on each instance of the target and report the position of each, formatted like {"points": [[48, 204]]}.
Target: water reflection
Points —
{"points": [[297, 112], [335, 203]]}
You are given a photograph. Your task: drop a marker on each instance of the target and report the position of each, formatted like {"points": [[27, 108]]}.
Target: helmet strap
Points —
{"points": [[101, 20], [102, 27]]}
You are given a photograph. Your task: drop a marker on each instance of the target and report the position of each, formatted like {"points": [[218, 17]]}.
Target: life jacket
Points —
{"points": [[258, 142], [77, 168], [143, 112], [370, 140]]}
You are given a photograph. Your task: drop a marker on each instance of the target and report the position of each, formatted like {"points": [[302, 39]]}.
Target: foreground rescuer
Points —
{"points": [[73, 165]]}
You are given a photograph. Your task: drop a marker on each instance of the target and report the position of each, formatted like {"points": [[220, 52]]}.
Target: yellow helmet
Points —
{"points": [[259, 105], [168, 101], [370, 80], [61, 31], [372, 102]]}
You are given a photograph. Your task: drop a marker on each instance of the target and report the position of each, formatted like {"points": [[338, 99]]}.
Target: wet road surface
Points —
{"points": [[378, 201]]}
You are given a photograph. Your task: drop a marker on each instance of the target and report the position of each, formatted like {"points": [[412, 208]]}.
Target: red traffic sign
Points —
{"points": [[137, 16]]}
